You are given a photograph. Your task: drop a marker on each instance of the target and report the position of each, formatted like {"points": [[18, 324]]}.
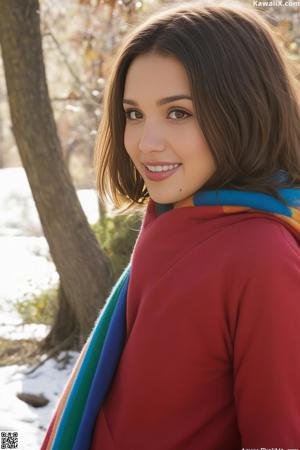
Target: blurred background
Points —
{"points": [[61, 250]]}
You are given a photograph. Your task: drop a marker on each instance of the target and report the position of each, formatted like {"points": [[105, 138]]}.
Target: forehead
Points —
{"points": [[155, 75]]}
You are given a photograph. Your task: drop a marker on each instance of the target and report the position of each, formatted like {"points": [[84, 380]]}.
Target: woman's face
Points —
{"points": [[162, 131]]}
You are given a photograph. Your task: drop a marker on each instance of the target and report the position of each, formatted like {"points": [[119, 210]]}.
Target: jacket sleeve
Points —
{"points": [[266, 355]]}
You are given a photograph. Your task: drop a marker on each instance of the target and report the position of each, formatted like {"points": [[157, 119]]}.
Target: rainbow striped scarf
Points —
{"points": [[72, 424]]}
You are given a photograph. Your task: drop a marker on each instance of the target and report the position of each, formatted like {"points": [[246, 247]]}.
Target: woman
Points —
{"points": [[197, 346]]}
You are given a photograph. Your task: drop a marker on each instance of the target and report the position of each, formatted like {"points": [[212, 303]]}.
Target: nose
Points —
{"points": [[151, 139]]}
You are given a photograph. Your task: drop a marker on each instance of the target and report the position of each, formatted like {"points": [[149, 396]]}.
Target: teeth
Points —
{"points": [[162, 168]]}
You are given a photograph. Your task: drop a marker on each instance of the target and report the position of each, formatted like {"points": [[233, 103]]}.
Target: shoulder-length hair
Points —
{"points": [[245, 95]]}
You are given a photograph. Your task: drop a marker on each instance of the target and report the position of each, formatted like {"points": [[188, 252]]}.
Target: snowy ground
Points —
{"points": [[26, 268], [15, 415]]}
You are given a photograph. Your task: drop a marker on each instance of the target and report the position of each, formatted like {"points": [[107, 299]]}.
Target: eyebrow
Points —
{"points": [[162, 101]]}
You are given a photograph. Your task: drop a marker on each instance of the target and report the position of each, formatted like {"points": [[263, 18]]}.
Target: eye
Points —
{"points": [[180, 111], [128, 114]]}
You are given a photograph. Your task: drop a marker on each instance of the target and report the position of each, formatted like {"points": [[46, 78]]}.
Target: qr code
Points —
{"points": [[9, 439]]}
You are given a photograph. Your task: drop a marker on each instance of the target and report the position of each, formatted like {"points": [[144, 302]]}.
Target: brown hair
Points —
{"points": [[245, 94]]}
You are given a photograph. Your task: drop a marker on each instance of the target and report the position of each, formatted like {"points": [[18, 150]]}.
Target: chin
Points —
{"points": [[164, 199]]}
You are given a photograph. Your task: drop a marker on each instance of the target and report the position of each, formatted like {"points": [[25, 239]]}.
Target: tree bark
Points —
{"points": [[84, 270]]}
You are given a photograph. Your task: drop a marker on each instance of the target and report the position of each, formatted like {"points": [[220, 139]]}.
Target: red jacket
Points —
{"points": [[212, 357]]}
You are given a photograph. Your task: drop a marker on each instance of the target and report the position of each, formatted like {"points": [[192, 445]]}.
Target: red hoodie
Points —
{"points": [[212, 356]]}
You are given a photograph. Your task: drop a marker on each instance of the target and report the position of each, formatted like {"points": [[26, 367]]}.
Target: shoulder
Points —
{"points": [[264, 274], [259, 239], [261, 254]]}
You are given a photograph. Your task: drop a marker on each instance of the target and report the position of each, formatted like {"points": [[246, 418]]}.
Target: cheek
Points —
{"points": [[189, 140], [198, 154]]}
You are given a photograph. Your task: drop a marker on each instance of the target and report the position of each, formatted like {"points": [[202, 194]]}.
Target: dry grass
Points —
{"points": [[21, 351]]}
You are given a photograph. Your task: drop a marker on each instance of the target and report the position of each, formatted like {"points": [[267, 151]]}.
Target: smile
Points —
{"points": [[157, 173], [161, 168]]}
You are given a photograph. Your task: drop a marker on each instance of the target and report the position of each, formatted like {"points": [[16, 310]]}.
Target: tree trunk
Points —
{"points": [[84, 270], [64, 334]]}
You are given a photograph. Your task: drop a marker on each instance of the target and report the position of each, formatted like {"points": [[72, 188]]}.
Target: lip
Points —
{"points": [[158, 176]]}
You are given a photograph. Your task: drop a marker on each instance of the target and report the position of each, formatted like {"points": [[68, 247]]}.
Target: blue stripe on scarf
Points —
{"points": [[291, 195], [256, 200]]}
